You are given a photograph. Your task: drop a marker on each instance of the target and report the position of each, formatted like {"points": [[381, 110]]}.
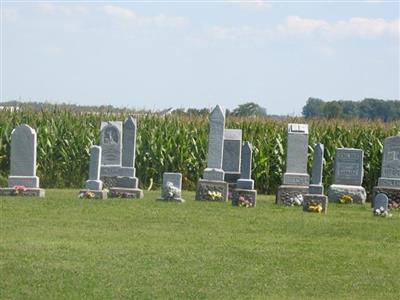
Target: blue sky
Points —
{"points": [[160, 54]]}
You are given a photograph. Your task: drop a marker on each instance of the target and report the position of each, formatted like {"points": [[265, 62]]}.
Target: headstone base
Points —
{"points": [[211, 190], [313, 199], [357, 193], [287, 193], [97, 194], [119, 192], [31, 182], [393, 194], [242, 197], [28, 192], [127, 182], [109, 181]]}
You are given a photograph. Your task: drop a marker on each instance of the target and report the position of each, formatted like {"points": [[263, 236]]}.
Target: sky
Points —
{"points": [[160, 54]]}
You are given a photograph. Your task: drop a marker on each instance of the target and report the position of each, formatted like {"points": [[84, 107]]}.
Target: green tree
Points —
{"points": [[332, 110], [313, 108], [249, 109]]}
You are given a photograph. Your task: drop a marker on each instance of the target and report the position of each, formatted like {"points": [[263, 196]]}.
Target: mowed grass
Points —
{"points": [[62, 247]]}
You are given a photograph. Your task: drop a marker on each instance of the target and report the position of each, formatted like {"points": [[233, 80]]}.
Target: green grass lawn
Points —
{"points": [[65, 247]]}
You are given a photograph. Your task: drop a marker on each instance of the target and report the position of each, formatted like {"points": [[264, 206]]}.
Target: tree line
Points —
{"points": [[369, 108]]}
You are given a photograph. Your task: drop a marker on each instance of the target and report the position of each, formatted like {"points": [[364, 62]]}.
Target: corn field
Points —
{"points": [[179, 144]]}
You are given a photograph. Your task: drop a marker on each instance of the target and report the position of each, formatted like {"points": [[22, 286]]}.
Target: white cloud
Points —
{"points": [[295, 26], [160, 20]]}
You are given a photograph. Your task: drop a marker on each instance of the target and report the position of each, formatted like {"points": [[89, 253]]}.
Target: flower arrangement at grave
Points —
{"points": [[314, 207], [394, 205], [296, 200], [382, 212], [214, 196], [245, 202], [87, 195], [18, 190], [346, 199], [171, 192]]}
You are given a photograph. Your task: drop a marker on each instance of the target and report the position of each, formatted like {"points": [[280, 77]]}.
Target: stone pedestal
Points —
{"points": [[312, 199], [393, 194], [210, 189], [288, 192], [28, 192], [243, 197], [336, 191], [98, 194], [26, 181], [118, 192]]}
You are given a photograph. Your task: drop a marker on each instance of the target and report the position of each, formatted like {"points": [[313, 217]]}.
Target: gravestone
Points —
{"points": [[244, 194], [111, 147], [381, 202], [94, 186], [127, 184], [23, 180], [232, 155], [348, 170], [172, 187], [295, 180], [389, 182], [213, 187], [316, 191]]}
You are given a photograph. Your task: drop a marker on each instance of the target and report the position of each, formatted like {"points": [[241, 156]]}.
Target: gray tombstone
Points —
{"points": [[23, 158], [232, 154], [213, 187], [172, 187], [245, 181], [111, 143], [348, 170], [23, 180], [215, 146], [296, 157], [349, 166], [296, 180], [129, 145], [389, 182], [390, 174], [94, 182], [381, 201], [316, 186], [316, 192], [244, 194]]}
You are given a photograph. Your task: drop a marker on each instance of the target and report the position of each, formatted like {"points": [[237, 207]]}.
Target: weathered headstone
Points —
{"points": [[232, 154], [23, 180], [111, 147], [212, 186], [381, 202], [118, 143], [127, 184], [172, 187], [389, 182], [94, 186], [316, 186], [295, 180], [316, 192], [348, 170], [244, 194]]}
